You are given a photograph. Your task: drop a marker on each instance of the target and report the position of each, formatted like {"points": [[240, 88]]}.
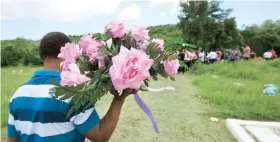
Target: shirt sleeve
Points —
{"points": [[12, 132], [85, 121]]}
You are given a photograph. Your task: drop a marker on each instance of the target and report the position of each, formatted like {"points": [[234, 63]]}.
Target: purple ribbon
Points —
{"points": [[148, 112]]}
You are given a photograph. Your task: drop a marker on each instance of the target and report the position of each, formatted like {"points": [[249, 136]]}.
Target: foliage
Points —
{"points": [[263, 37], [207, 25], [165, 32], [20, 51], [83, 96], [174, 43], [240, 101]]}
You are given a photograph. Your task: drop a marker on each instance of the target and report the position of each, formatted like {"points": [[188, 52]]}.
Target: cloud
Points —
{"points": [[174, 9], [174, 3], [160, 2], [163, 14], [57, 10], [130, 12]]}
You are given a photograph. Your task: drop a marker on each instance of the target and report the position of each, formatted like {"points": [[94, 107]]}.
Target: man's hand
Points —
{"points": [[127, 92], [124, 94]]}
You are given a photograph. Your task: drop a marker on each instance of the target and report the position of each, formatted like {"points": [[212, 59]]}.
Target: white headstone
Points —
{"points": [[263, 134], [239, 84], [249, 131], [215, 76]]}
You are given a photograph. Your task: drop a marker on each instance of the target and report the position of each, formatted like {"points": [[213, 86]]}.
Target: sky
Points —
{"points": [[32, 19]]}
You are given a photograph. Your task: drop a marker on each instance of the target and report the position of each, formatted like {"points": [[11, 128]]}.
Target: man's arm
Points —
{"points": [[105, 128]]}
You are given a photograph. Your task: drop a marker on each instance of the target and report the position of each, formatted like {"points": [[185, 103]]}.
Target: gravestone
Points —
{"points": [[254, 131]]}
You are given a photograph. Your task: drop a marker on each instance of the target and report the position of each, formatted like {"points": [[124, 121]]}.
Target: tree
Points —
{"points": [[192, 20], [207, 25], [263, 37], [231, 35]]}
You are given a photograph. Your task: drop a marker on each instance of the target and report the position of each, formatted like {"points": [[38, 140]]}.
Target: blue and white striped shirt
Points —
{"points": [[35, 116]]}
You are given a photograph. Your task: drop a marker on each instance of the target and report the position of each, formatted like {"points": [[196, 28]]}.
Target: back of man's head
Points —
{"points": [[51, 43]]}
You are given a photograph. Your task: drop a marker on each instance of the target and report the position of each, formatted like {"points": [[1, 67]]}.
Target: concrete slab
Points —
{"points": [[254, 131], [263, 134]]}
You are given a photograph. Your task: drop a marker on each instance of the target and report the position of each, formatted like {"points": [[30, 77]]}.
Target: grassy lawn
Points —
{"points": [[243, 102], [181, 115]]}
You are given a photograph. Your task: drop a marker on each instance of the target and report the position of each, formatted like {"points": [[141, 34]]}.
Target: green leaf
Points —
{"points": [[104, 52], [67, 96], [172, 78], [86, 107], [143, 88], [146, 83], [53, 82], [153, 51], [106, 36], [114, 49], [155, 77]]}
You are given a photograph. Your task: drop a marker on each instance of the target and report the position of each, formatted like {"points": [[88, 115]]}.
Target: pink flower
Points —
{"points": [[116, 28], [140, 34], [85, 41], [159, 43], [64, 66], [73, 77], [143, 44], [93, 49], [171, 67], [69, 53], [99, 43], [130, 68]]}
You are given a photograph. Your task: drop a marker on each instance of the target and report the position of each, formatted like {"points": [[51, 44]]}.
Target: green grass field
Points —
{"points": [[183, 115], [244, 102]]}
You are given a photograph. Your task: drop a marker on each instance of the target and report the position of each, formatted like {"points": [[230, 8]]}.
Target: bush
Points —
{"points": [[20, 52], [10, 56]]}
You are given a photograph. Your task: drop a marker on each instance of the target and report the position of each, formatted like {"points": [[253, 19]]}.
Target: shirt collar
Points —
{"points": [[49, 73]]}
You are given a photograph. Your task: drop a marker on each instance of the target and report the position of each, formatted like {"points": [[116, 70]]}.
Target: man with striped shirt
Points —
{"points": [[35, 116]]}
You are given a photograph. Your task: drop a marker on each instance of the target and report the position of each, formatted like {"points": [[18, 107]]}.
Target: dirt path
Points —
{"points": [[180, 114]]}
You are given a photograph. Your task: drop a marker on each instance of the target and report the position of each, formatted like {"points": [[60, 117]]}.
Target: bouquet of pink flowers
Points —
{"points": [[117, 60]]}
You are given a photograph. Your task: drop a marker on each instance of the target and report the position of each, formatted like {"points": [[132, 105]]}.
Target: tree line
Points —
{"points": [[202, 23], [208, 26]]}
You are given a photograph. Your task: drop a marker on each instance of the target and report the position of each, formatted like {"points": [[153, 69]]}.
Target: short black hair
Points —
{"points": [[51, 43]]}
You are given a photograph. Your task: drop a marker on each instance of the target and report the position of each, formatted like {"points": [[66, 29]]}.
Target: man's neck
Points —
{"points": [[52, 64]]}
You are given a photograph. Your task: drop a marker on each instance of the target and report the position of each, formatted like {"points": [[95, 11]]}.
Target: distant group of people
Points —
{"points": [[270, 54], [189, 57]]}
